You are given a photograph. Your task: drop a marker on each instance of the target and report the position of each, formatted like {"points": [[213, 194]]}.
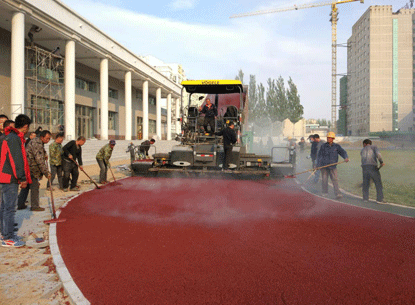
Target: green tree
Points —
{"points": [[322, 122], [295, 109], [271, 97], [280, 109], [240, 76], [252, 93], [275, 103], [260, 111]]}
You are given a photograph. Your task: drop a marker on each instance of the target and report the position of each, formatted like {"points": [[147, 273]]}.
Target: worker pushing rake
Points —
{"points": [[327, 160], [103, 158], [313, 170]]}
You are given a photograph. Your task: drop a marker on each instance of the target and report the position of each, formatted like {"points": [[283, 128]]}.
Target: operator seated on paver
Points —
{"points": [[211, 112], [145, 147]]}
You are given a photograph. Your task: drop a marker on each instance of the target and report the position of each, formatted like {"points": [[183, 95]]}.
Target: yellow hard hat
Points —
{"points": [[290, 138], [331, 134]]}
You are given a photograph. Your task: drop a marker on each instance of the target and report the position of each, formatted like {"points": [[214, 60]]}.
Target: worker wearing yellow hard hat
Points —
{"points": [[328, 158], [331, 134]]}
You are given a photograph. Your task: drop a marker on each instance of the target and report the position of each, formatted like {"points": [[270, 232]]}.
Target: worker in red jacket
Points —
{"points": [[14, 170]]}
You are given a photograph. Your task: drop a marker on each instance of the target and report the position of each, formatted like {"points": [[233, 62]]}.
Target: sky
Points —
{"points": [[201, 37]]}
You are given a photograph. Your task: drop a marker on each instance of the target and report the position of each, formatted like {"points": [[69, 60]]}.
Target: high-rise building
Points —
{"points": [[380, 68]]}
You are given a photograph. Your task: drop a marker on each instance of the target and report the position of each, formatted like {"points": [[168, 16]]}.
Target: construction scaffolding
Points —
{"points": [[45, 88]]}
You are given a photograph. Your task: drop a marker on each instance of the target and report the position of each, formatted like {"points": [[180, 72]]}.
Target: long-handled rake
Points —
{"points": [[311, 176], [313, 169], [115, 180], [54, 218], [96, 185]]}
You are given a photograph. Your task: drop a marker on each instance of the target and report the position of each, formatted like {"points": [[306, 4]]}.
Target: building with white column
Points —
{"points": [[91, 84]]}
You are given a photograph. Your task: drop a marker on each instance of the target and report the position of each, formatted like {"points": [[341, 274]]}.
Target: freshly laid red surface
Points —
{"points": [[205, 241]]}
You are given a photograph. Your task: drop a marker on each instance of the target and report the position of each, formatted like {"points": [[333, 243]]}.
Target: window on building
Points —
{"points": [[61, 77], [45, 111], [139, 95], [151, 126], [112, 120], [151, 100], [92, 87], [84, 121], [112, 93], [86, 85]]}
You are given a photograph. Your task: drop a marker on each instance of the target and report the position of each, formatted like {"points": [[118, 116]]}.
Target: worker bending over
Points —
{"points": [[145, 147], [103, 159], [72, 151]]}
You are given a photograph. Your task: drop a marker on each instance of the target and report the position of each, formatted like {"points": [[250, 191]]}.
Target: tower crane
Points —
{"points": [[333, 20]]}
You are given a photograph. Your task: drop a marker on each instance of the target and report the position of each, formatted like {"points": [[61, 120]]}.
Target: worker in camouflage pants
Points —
{"points": [[36, 157], [55, 160], [103, 158]]}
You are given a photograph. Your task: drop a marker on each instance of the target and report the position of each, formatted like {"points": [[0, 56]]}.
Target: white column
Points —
{"points": [[169, 117], [145, 110], [158, 113], [128, 107], [178, 116], [17, 65], [104, 98], [70, 90]]}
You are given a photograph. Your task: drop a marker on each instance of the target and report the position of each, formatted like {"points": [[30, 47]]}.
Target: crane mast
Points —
{"points": [[333, 20], [333, 68]]}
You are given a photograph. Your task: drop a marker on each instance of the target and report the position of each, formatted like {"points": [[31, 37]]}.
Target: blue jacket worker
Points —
{"points": [[329, 154]]}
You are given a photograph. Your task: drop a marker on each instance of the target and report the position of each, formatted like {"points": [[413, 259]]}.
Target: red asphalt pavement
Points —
{"points": [[205, 241]]}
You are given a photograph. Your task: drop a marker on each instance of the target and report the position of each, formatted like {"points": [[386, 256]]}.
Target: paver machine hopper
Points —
{"points": [[201, 150]]}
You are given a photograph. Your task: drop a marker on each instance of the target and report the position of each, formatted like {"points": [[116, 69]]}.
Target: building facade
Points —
{"points": [[174, 71], [68, 72], [380, 68], [341, 123]]}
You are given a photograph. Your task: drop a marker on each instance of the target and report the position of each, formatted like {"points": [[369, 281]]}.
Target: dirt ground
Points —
{"points": [[27, 274]]}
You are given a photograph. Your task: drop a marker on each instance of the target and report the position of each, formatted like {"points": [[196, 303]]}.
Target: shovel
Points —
{"points": [[37, 238], [96, 185], [115, 180], [54, 218], [313, 169]]}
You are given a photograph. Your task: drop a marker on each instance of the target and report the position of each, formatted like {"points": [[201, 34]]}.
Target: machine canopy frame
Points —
{"points": [[213, 86]]}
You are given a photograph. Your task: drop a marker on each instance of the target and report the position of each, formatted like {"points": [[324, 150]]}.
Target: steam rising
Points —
{"points": [[204, 202], [267, 135]]}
